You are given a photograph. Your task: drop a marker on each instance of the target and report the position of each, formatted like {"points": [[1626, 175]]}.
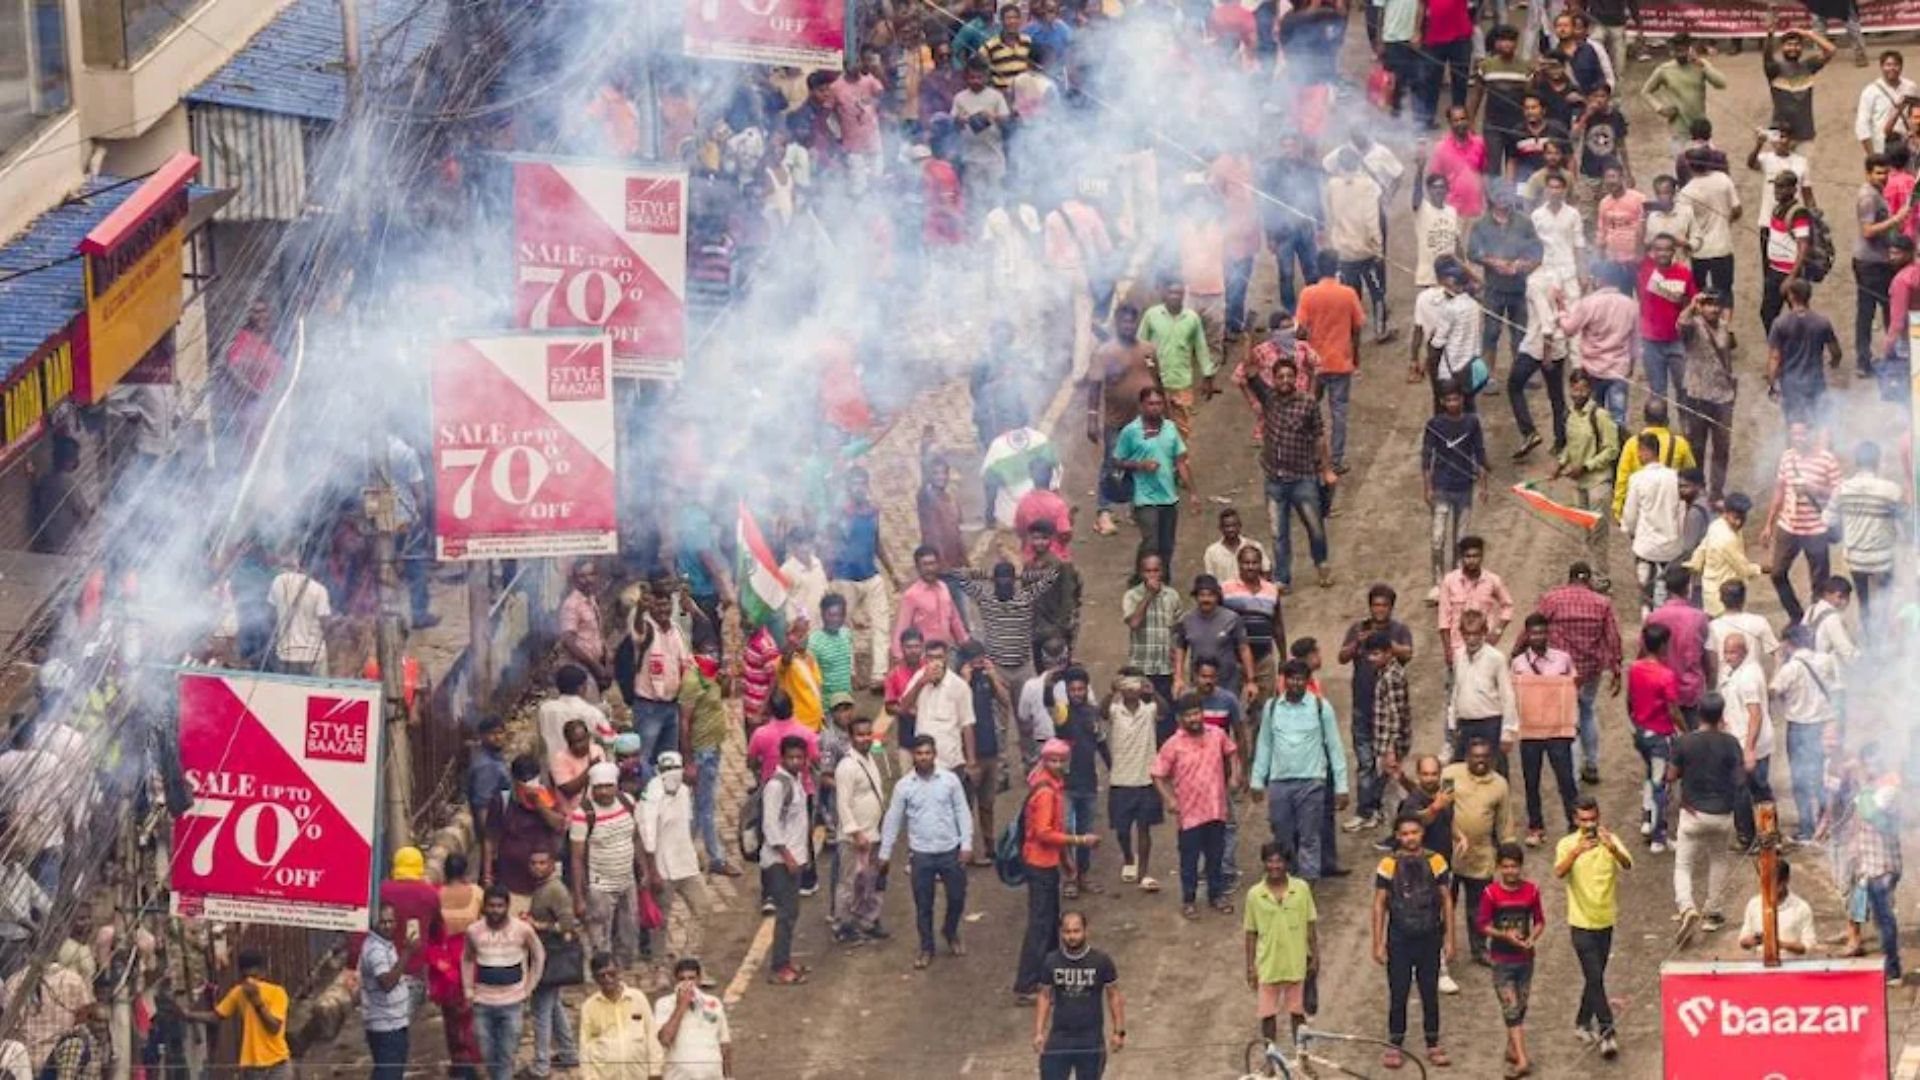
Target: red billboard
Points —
{"points": [[1748, 18], [797, 33], [523, 450], [286, 783], [1800, 1021], [604, 247]]}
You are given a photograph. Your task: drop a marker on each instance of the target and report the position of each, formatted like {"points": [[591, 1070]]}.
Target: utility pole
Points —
{"points": [[390, 652], [480, 673], [1766, 823], [350, 35]]}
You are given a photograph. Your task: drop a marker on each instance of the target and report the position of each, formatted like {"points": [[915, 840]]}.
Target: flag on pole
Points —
{"points": [[1530, 493], [763, 588]]}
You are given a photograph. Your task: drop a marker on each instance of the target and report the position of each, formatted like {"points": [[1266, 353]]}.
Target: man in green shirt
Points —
{"points": [[832, 646], [1588, 459], [1181, 356], [703, 733], [1283, 943], [1677, 89], [1155, 453]]}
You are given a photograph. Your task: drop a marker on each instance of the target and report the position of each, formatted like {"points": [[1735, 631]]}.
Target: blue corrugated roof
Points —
{"points": [[294, 67], [36, 306]]}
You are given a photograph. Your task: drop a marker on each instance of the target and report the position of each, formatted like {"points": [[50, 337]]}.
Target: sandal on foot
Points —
{"points": [[1393, 1059], [921, 961], [1148, 884], [787, 977], [1188, 911], [1224, 907], [1070, 891], [1437, 1057]]}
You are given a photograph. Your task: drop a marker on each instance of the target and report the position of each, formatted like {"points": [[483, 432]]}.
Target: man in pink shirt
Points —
{"points": [[1471, 587], [1666, 288], [580, 634], [1044, 504], [1607, 322], [1193, 772], [927, 605], [1201, 241], [856, 102], [1620, 221], [763, 749], [1461, 157]]}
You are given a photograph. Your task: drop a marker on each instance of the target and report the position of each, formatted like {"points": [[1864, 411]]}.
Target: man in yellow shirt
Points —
{"points": [[263, 1021], [618, 1037], [1676, 452], [1722, 554], [799, 676], [1590, 860]]}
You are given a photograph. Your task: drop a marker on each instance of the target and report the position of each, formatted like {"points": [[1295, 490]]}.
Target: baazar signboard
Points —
{"points": [[1804, 1020], [796, 33], [132, 276]]}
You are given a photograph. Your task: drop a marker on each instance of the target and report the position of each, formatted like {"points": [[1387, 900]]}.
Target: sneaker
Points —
{"points": [[1658, 847], [1326, 576], [1130, 873], [1585, 1036], [877, 932], [1527, 446], [846, 935], [1713, 923], [1447, 985], [1609, 1047], [766, 907], [1646, 825], [1360, 821], [1385, 843], [1689, 926], [809, 890], [1589, 774]]}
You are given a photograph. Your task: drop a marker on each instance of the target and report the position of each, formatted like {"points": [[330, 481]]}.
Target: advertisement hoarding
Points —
{"points": [[285, 775], [795, 33], [523, 450], [1800, 1021], [604, 246], [1747, 18]]}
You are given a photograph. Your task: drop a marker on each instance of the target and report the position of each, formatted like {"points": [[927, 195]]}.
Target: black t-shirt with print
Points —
{"points": [[1079, 988]]}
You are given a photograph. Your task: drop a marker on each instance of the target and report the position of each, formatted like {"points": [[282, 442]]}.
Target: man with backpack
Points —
{"points": [[1296, 744], [1041, 834], [785, 851], [608, 869], [1788, 244], [931, 802], [1412, 934]]}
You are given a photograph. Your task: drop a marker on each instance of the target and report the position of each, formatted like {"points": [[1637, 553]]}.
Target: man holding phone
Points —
{"points": [[1590, 860]]}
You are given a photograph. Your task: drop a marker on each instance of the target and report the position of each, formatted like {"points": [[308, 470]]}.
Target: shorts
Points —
{"points": [[989, 782], [1130, 806], [1513, 984], [1290, 997]]}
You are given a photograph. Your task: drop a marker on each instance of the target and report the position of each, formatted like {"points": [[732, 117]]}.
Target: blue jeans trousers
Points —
{"points": [[553, 1042], [705, 826], [498, 1029], [1286, 498], [1806, 761]]}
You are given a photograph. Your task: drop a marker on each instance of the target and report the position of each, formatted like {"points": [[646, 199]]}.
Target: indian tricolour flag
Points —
{"points": [[1530, 493], [763, 588]]}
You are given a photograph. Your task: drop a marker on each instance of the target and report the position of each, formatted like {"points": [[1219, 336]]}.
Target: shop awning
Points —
{"points": [[292, 68]]}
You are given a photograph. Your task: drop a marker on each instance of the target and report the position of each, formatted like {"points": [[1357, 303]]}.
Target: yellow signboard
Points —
{"points": [[132, 302], [25, 405]]}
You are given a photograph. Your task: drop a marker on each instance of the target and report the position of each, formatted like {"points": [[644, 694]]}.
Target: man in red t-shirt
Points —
{"points": [[1447, 41], [1653, 703], [1789, 232], [1665, 289]]}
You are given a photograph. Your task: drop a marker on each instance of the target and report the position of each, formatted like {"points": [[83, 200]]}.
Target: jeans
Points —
{"points": [[1450, 61], [945, 869], [1709, 427], [1157, 524], [1080, 816], [1655, 752], [1555, 376], [613, 923], [1412, 959], [1589, 722], [1239, 273], [1701, 838], [1506, 310], [1872, 281], [1773, 296], [1558, 754], [658, 725], [1716, 274], [1663, 361], [1806, 762], [1757, 790], [1880, 902], [1294, 810], [782, 887], [389, 1051], [1285, 498], [1368, 784], [498, 1027], [1452, 514], [1043, 928], [1293, 243], [1787, 547], [1372, 274], [706, 826], [1612, 396], [1593, 947], [1203, 842], [553, 1042], [1072, 1064], [1468, 906], [1338, 390]]}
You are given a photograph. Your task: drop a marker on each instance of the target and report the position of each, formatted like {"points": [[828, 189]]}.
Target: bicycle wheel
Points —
{"points": [[1354, 1058], [1257, 1064]]}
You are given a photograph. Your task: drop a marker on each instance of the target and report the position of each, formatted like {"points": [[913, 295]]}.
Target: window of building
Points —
{"points": [[35, 77]]}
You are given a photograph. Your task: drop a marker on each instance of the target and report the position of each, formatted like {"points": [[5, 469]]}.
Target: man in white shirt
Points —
{"points": [[301, 613], [1133, 805], [1743, 686], [1652, 517], [942, 706], [666, 834], [1716, 206], [1222, 557], [1437, 231], [1794, 926], [568, 704], [1356, 223], [1736, 619], [1446, 318], [1483, 704], [1803, 692], [603, 842], [1868, 508], [1882, 102], [693, 1028], [857, 801], [784, 855], [1563, 238], [806, 577]]}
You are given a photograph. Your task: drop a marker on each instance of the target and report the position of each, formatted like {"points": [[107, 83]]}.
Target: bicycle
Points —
{"points": [[1268, 1058]]}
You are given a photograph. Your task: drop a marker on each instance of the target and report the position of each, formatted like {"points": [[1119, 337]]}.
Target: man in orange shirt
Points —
{"points": [[1046, 837], [1201, 241], [1329, 317]]}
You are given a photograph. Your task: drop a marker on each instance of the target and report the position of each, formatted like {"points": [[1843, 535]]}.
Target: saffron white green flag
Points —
{"points": [[763, 588]]}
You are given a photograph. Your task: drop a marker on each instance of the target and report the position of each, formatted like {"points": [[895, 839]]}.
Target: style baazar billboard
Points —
{"points": [[795, 33], [1804, 1020]]}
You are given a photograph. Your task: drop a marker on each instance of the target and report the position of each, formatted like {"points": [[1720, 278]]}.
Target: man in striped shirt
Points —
{"points": [[1868, 508], [1010, 54], [1795, 524]]}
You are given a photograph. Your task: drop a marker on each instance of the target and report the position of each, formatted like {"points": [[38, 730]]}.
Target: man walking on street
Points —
{"points": [[1133, 806], [1412, 934], [608, 865], [1589, 459], [673, 866], [1545, 695], [1743, 686], [1283, 943], [1154, 453], [1194, 772], [1708, 765], [1480, 826], [1298, 460], [1589, 860], [786, 850], [1651, 519], [1453, 461], [930, 803], [500, 967], [1580, 620], [1081, 990], [1371, 781], [1044, 822], [1297, 741], [858, 798]]}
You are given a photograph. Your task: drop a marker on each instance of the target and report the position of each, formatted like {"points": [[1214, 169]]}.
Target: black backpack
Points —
{"points": [[1413, 901], [1820, 250], [752, 831]]}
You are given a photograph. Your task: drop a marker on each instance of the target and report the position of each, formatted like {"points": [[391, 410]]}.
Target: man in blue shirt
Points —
{"points": [[487, 773], [932, 804], [1298, 743], [855, 564]]}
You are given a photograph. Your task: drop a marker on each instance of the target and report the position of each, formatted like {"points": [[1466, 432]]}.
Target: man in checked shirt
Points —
{"points": [[1581, 623], [1392, 708]]}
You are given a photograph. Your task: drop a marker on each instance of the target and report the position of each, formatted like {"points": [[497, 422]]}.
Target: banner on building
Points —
{"points": [[287, 798], [523, 450], [1747, 18], [133, 278], [1802, 1021], [604, 246], [795, 33], [38, 388]]}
